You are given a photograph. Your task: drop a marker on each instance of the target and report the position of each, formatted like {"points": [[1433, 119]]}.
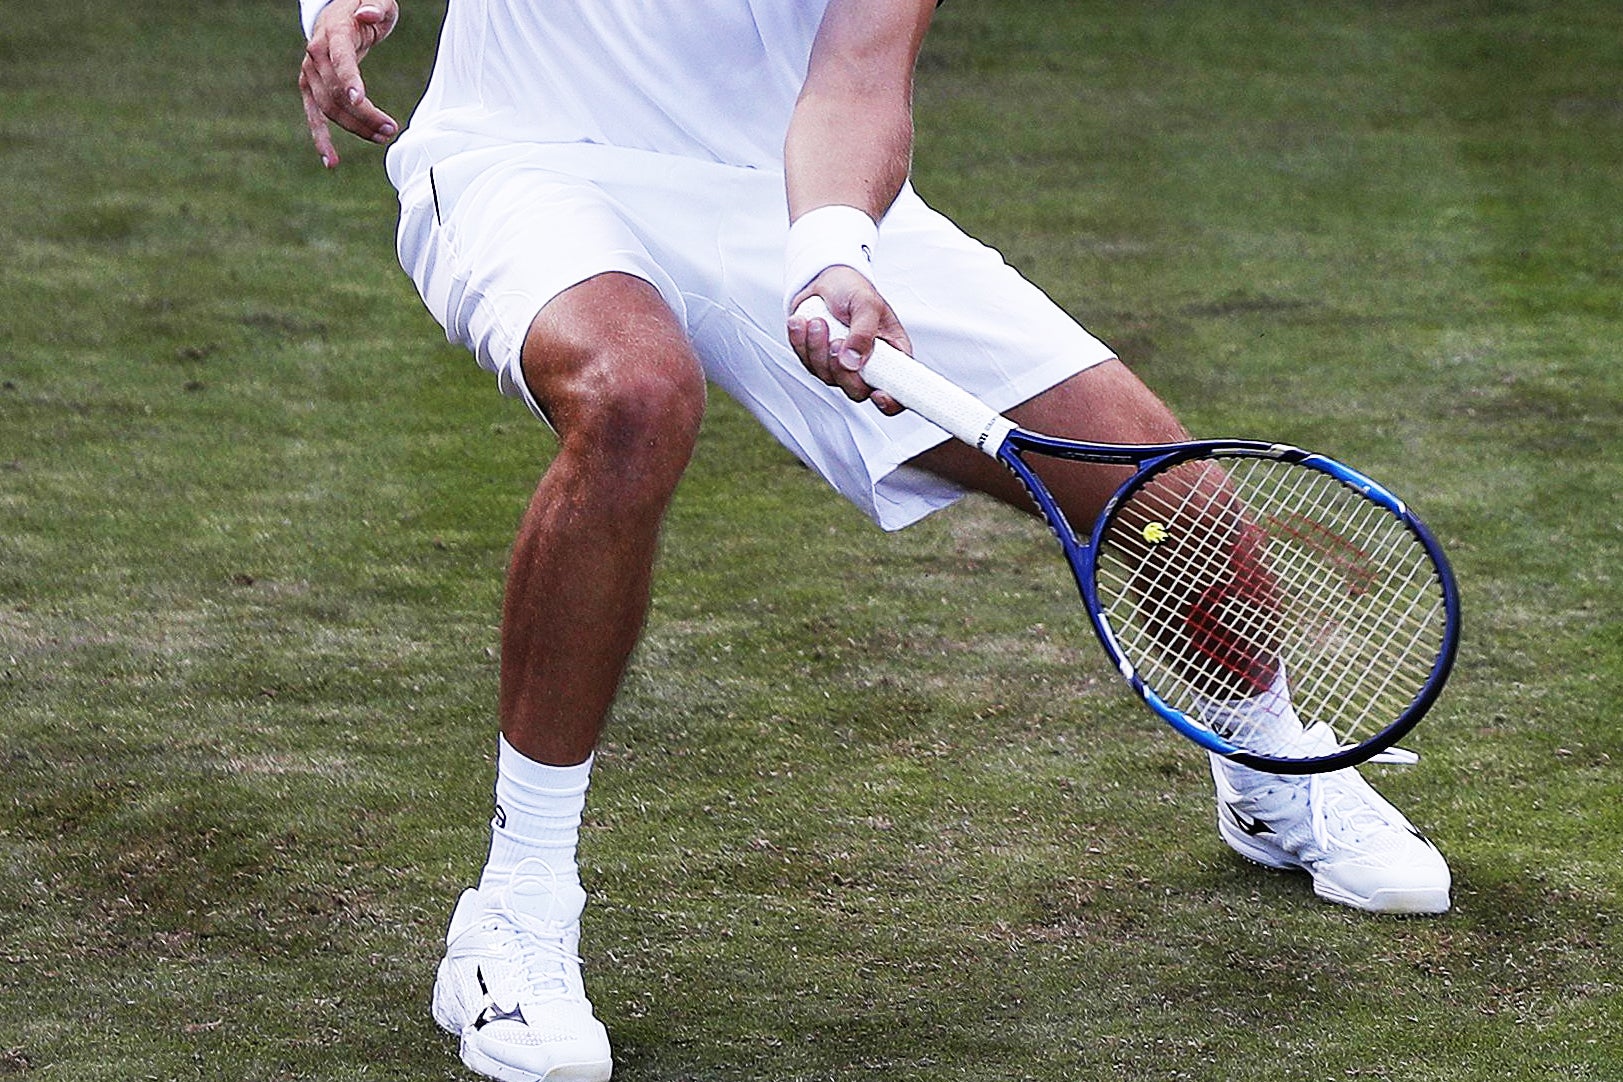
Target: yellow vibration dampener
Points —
{"points": [[1155, 532]]}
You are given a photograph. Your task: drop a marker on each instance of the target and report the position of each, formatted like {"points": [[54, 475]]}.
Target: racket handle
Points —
{"points": [[922, 389]]}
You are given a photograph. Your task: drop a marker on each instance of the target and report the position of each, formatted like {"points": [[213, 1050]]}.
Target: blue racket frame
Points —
{"points": [[970, 420], [1150, 460]]}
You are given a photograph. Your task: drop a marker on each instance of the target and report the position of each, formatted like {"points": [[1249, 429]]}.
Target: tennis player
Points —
{"points": [[611, 203]]}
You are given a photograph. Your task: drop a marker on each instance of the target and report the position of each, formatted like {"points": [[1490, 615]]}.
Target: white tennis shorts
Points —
{"points": [[489, 236]]}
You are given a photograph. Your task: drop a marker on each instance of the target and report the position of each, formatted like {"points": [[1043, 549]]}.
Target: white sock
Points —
{"points": [[1264, 722], [1267, 722], [537, 819]]}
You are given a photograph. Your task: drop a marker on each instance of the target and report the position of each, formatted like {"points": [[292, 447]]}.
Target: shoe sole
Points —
{"points": [[1421, 901], [590, 1071]]}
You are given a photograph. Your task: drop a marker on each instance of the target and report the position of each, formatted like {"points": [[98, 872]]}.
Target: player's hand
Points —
{"points": [[330, 79], [838, 361]]}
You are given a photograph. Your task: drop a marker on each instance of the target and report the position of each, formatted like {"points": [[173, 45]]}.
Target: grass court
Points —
{"points": [[871, 806]]}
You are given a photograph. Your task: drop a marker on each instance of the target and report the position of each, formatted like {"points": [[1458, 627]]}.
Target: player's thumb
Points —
{"points": [[859, 339], [380, 17]]}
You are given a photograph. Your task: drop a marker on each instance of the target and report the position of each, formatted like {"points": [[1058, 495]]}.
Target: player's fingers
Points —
{"points": [[321, 83], [378, 19], [847, 378], [813, 341], [350, 108], [825, 355], [863, 321], [332, 68], [370, 121], [808, 337], [818, 356], [864, 317], [343, 66], [799, 328], [320, 133], [887, 405]]}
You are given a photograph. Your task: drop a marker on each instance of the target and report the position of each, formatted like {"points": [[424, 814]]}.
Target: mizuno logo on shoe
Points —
{"points": [[1251, 827], [493, 1011]]}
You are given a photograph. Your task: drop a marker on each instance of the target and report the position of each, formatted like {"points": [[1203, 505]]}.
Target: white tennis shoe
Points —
{"points": [[1359, 849], [510, 985]]}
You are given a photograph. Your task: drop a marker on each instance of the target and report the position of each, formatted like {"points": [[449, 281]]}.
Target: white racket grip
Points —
{"points": [[922, 389]]}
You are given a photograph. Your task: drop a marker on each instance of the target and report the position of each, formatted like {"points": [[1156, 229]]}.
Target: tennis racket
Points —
{"points": [[1274, 606]]}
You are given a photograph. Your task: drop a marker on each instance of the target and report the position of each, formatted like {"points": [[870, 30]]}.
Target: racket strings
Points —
{"points": [[1217, 577], [1172, 552], [1378, 627], [1395, 624], [1326, 556]]}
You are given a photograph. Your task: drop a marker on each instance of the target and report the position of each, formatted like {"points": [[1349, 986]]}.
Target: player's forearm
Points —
{"points": [[844, 150], [850, 141]]}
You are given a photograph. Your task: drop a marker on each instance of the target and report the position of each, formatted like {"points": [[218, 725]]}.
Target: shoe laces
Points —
{"points": [[540, 948], [1339, 803]]}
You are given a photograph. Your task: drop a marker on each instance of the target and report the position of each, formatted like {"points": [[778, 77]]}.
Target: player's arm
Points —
{"points": [[847, 154], [341, 33]]}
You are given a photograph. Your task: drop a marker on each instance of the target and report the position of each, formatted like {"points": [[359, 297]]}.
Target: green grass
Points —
{"points": [[871, 806]]}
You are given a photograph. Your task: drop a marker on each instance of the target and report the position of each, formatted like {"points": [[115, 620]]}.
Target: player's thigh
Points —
{"points": [[541, 275], [1105, 403]]}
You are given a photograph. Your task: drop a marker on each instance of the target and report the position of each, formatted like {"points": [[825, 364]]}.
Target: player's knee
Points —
{"points": [[615, 374], [629, 418], [641, 416]]}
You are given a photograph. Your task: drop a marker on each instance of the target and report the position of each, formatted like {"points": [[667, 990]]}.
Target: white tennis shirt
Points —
{"points": [[708, 79]]}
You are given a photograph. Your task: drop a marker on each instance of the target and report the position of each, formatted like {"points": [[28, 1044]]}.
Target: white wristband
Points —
{"points": [[832, 236], [309, 10]]}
